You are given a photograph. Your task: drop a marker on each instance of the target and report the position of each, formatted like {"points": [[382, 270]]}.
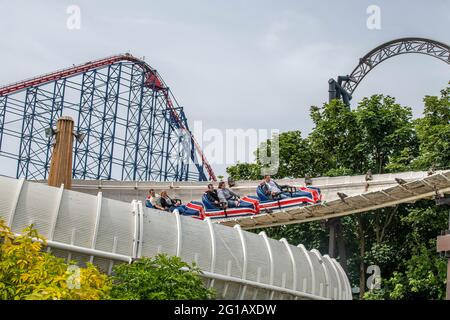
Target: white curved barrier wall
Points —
{"points": [[238, 264]]}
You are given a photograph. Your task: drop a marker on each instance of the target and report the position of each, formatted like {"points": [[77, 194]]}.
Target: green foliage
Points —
{"points": [[387, 131], [29, 273], [379, 135], [26, 272], [336, 140], [295, 159], [380, 254], [433, 131], [159, 278], [245, 171], [424, 276], [295, 155]]}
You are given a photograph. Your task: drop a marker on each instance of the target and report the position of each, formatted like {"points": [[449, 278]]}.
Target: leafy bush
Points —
{"points": [[26, 272], [159, 278]]}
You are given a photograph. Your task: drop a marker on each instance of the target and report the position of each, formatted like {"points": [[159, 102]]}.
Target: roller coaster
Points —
{"points": [[134, 131], [132, 125], [344, 87]]}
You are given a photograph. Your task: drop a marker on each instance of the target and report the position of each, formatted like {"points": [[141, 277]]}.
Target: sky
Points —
{"points": [[234, 64]]}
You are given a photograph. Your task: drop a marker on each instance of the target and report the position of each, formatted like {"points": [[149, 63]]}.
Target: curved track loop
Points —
{"points": [[394, 48]]}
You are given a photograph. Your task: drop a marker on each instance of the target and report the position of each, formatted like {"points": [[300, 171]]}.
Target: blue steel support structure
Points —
{"points": [[132, 125], [3, 102]]}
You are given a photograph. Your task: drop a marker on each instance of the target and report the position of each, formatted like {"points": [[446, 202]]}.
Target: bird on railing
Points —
{"points": [[369, 177], [400, 181], [308, 180], [342, 196]]}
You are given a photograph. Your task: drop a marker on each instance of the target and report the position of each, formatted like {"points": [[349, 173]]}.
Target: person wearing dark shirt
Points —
{"points": [[211, 195], [171, 205]]}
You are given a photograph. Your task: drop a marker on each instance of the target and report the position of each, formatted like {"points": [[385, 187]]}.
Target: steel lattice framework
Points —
{"points": [[133, 127], [346, 85]]}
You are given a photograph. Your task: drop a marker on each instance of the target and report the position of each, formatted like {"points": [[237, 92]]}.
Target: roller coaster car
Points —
{"points": [[295, 197], [247, 206], [315, 193], [251, 205], [193, 208], [206, 209]]}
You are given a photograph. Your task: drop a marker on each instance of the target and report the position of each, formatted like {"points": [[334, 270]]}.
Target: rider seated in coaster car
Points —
{"points": [[153, 200], [226, 203], [212, 197], [269, 190], [171, 205], [227, 197], [274, 191]]}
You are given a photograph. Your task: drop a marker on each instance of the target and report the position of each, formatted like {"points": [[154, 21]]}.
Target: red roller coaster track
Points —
{"points": [[153, 80]]}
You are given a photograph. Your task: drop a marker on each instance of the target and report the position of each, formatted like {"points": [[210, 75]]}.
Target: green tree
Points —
{"points": [[411, 268], [245, 171], [433, 131], [28, 273], [387, 132], [336, 141], [159, 278], [295, 159]]}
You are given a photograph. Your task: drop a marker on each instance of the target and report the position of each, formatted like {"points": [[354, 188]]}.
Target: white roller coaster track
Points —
{"points": [[426, 187]]}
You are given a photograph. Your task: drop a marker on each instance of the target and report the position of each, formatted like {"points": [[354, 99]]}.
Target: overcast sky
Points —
{"points": [[234, 64]]}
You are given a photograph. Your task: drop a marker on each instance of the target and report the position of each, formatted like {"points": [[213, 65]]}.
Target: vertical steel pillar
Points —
{"points": [[56, 111], [133, 125], [108, 123], [332, 238], [3, 102], [86, 108], [151, 125], [145, 134], [27, 133]]}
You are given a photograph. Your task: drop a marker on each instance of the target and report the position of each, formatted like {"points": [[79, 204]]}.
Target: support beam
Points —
{"points": [[61, 164], [443, 241], [332, 237]]}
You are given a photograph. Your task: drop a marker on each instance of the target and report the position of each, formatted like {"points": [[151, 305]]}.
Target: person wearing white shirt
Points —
{"points": [[272, 189]]}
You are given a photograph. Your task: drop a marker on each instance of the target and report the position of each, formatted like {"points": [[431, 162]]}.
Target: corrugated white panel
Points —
{"points": [[195, 242], [113, 225], [77, 212], [36, 206], [283, 270], [346, 288], [304, 272], [160, 233], [10, 189], [334, 281], [230, 259], [321, 281], [258, 268]]}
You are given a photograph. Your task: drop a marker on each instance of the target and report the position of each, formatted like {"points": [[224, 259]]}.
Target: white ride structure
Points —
{"points": [[236, 263]]}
